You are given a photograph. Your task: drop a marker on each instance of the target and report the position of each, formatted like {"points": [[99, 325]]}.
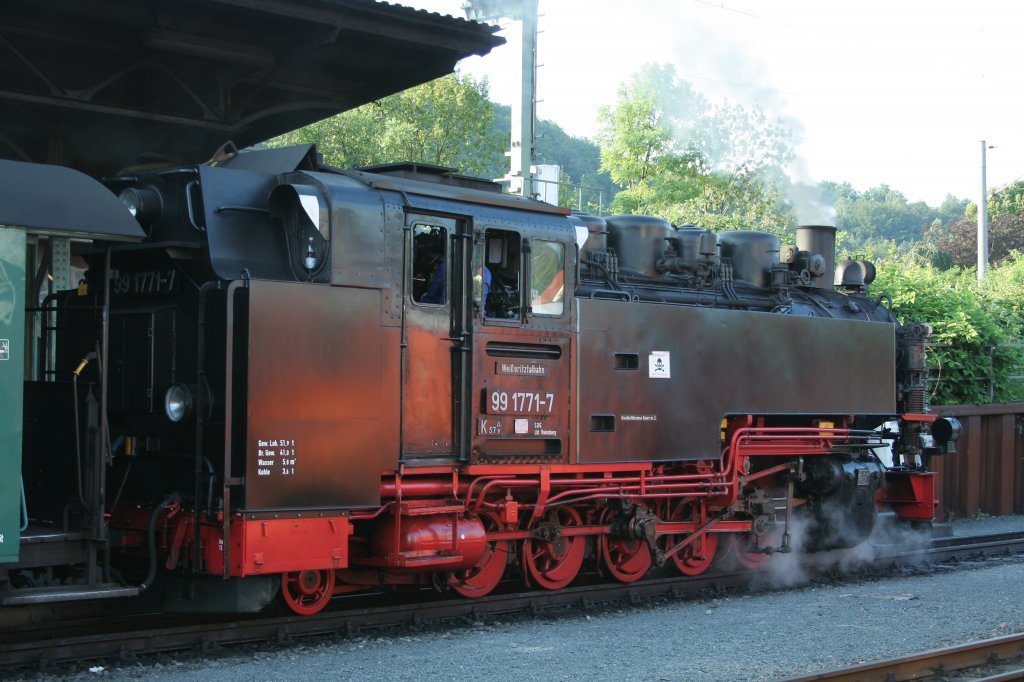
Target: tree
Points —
{"points": [[345, 140], [643, 137], [678, 156], [957, 244], [1006, 201], [446, 122], [952, 209], [578, 158], [873, 221], [971, 358], [1003, 286], [882, 213], [730, 202]]}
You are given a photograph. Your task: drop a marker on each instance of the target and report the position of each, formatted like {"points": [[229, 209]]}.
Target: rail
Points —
{"points": [[70, 639], [1005, 653], [589, 205]]}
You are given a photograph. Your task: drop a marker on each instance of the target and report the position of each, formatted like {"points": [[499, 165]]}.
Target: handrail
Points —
{"points": [[229, 480]]}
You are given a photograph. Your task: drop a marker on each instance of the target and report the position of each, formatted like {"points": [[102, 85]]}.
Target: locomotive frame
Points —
{"points": [[304, 381]]}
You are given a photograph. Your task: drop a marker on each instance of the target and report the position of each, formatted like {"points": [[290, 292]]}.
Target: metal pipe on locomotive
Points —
{"points": [[316, 381]]}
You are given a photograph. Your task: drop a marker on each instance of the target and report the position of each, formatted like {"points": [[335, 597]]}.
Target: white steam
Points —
{"points": [[785, 570], [812, 207]]}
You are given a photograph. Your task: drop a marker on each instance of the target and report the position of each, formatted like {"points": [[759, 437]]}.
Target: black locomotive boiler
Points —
{"points": [[317, 381]]}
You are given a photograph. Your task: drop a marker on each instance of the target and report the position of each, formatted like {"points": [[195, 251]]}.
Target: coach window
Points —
{"points": [[547, 278], [429, 260]]}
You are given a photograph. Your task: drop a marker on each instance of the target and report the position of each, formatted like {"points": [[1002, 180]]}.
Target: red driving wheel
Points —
{"points": [[553, 564], [697, 556], [307, 592], [625, 559], [746, 549]]}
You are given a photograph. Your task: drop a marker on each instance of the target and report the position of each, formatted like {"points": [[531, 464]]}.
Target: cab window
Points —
{"points": [[499, 282], [429, 260], [547, 278]]}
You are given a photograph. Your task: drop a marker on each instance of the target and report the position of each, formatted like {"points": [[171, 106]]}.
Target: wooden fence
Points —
{"points": [[986, 475]]}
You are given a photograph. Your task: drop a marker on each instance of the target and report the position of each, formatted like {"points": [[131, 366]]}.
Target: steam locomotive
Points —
{"points": [[305, 381]]}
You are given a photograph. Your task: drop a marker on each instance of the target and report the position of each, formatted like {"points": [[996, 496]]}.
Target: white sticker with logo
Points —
{"points": [[659, 364]]}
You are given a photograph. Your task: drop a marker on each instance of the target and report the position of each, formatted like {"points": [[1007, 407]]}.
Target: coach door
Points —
{"points": [[435, 339]]}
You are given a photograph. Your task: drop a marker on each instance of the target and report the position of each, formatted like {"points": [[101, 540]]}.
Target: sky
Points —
{"points": [[895, 92]]}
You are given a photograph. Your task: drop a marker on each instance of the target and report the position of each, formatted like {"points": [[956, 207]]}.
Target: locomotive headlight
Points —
{"points": [[178, 402], [144, 203], [310, 261], [946, 430]]}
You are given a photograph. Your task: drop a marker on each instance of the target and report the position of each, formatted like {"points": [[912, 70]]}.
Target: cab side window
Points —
{"points": [[429, 264], [547, 278], [499, 281]]}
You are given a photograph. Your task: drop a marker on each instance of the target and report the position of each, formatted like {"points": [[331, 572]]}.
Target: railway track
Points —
{"points": [[991, 660], [51, 644]]}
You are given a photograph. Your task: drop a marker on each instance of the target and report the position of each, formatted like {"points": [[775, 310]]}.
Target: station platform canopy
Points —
{"points": [[100, 85]]}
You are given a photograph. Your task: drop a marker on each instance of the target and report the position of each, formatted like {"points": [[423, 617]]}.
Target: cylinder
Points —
{"points": [[752, 255], [639, 241], [821, 240], [431, 536]]}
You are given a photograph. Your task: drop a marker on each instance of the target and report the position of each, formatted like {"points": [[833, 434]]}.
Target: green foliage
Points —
{"points": [[345, 140], [881, 213], [663, 150], [1007, 201], [578, 158], [580, 162], [642, 138], [1001, 295], [969, 358], [446, 122], [451, 122], [1004, 284], [873, 220], [680, 157], [951, 209], [956, 244]]}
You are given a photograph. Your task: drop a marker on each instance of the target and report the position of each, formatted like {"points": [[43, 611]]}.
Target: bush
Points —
{"points": [[970, 359]]}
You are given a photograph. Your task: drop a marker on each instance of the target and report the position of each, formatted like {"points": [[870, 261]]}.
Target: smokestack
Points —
{"points": [[820, 240]]}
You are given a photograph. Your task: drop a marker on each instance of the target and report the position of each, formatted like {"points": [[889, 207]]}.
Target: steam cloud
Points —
{"points": [[797, 568], [810, 205]]}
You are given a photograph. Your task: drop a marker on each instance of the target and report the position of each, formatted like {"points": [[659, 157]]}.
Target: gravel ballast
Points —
{"points": [[746, 635]]}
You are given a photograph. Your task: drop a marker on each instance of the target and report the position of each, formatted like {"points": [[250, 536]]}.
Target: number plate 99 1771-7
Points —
{"points": [[520, 402], [145, 282]]}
